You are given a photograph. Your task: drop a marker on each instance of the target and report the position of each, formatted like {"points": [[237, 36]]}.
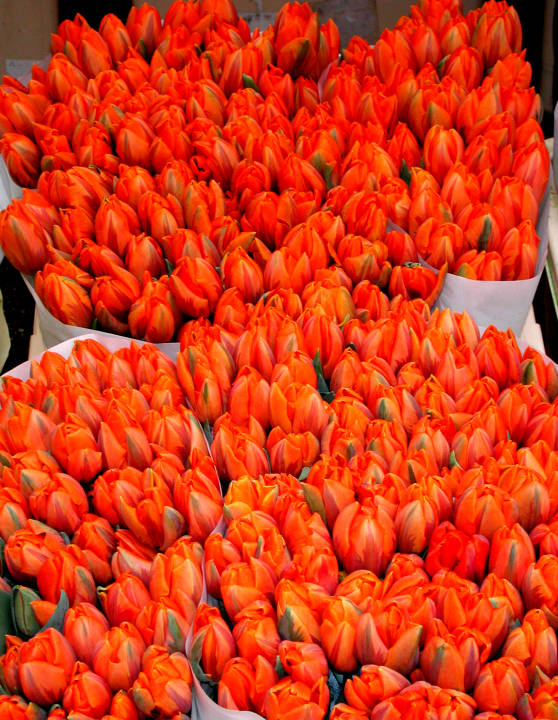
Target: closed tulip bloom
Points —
{"points": [[511, 553], [123, 599], [68, 301], [442, 149], [45, 667], [289, 698], [534, 643], [22, 158], [87, 693], [213, 644], [84, 628], [374, 684], [117, 658], [164, 684], [539, 587], [497, 32], [364, 537], [500, 685], [390, 638], [28, 548], [304, 662], [243, 583], [66, 570], [9, 664]]}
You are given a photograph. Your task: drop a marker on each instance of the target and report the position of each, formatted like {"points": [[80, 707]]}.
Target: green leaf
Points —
{"points": [[207, 431], [279, 669], [303, 474], [195, 655], [405, 173], [323, 388], [23, 617], [286, 626], [248, 82], [6, 624], [453, 461], [56, 620], [169, 265], [314, 500], [483, 239], [335, 684]]}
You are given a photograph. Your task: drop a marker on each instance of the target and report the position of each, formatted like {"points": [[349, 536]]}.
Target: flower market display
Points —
{"points": [[327, 499], [168, 163]]}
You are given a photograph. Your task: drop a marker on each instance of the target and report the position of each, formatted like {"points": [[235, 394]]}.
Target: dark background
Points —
{"points": [[19, 306]]}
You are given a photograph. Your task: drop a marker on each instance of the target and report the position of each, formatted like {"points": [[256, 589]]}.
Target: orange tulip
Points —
{"points": [[364, 537], [539, 587], [534, 644], [45, 667], [497, 32], [117, 658], [66, 570], [511, 553], [28, 548], [442, 149], [161, 623], [244, 686], [388, 637], [500, 685], [84, 628], [290, 699], [164, 684], [374, 684], [213, 644], [86, 693]]}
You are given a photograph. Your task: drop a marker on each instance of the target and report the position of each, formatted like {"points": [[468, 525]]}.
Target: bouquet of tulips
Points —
{"points": [[387, 539], [332, 501], [168, 163]]}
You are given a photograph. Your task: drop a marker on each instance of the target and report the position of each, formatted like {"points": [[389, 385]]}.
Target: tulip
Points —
{"points": [[131, 555], [68, 301], [511, 553], [66, 570], [23, 238], [442, 149], [374, 684], [500, 685], [45, 667], [84, 628], [28, 548], [86, 693], [164, 684], [213, 644], [14, 706], [534, 644], [484, 510], [497, 32], [243, 686], [289, 698], [539, 587], [304, 662], [122, 600], [342, 711], [364, 537], [117, 658]]}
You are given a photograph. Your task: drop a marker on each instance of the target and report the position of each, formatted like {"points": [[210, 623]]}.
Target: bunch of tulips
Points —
{"points": [[386, 545], [167, 163], [334, 503]]}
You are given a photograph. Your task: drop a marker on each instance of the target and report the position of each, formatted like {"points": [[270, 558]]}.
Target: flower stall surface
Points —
{"points": [[327, 499]]}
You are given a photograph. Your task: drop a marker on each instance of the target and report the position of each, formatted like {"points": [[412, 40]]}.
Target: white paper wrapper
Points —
{"points": [[503, 303], [203, 708]]}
